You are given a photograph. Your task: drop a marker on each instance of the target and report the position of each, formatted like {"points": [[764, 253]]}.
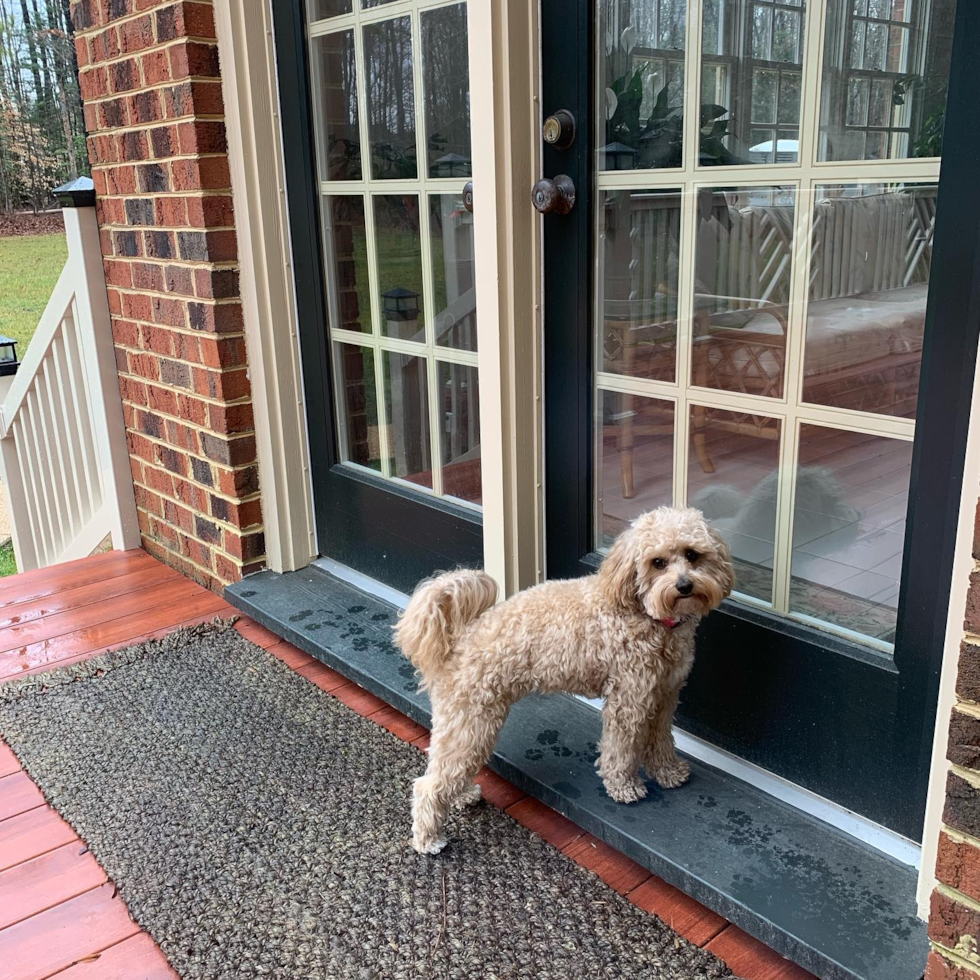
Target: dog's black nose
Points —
{"points": [[685, 586]]}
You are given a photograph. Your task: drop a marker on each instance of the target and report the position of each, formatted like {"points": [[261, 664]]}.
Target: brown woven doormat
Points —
{"points": [[257, 827]]}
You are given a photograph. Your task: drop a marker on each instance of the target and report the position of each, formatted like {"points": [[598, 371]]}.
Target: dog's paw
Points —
{"points": [[428, 845], [625, 789], [675, 774], [469, 797]]}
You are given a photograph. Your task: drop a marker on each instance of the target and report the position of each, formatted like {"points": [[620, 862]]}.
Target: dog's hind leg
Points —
{"points": [[462, 740]]}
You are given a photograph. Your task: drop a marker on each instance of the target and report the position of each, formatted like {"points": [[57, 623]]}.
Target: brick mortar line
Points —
{"points": [[155, 87], [968, 636], [241, 400], [156, 440], [156, 123], [211, 300], [957, 896], [223, 265], [158, 195], [956, 958], [959, 837], [968, 775], [244, 400], [967, 708], [128, 18], [223, 155], [174, 228], [252, 529], [153, 48], [184, 332], [247, 499]]}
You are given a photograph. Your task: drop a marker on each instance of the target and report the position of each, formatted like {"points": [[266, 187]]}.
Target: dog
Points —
{"points": [[625, 633]]}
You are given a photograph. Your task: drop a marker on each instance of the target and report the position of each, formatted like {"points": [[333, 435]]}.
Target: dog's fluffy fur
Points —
{"points": [[608, 635]]}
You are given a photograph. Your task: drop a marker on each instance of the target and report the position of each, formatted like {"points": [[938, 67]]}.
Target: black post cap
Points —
{"points": [[78, 193]]}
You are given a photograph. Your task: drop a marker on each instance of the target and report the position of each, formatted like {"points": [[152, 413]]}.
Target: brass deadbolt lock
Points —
{"points": [[559, 130]]}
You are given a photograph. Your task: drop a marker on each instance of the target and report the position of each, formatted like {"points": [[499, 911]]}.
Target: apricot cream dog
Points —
{"points": [[625, 634]]}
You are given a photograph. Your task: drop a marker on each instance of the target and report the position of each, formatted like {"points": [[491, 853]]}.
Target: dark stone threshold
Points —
{"points": [[833, 905]]}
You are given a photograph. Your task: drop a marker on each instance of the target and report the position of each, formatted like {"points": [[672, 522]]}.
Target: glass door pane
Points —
{"points": [[392, 126]]}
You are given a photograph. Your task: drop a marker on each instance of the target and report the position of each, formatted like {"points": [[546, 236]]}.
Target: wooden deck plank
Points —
{"points": [[682, 913], [147, 576], [60, 937], [154, 616], [137, 958], [615, 869], [291, 656], [31, 834], [257, 634], [46, 881], [9, 763], [18, 794], [747, 957], [41, 582], [545, 822], [51, 628]]}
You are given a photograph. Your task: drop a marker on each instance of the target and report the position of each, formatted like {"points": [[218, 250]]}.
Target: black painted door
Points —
{"points": [[741, 316], [375, 111]]}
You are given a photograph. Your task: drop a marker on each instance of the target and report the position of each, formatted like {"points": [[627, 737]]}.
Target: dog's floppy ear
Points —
{"points": [[724, 561], [617, 574]]}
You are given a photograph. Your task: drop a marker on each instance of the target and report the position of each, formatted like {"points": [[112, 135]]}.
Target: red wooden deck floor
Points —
{"points": [[61, 917]]}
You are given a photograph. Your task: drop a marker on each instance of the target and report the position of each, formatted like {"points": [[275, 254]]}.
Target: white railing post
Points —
{"points": [[94, 333]]}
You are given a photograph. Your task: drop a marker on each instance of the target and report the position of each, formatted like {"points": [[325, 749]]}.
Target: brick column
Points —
{"points": [[149, 81], [954, 921]]}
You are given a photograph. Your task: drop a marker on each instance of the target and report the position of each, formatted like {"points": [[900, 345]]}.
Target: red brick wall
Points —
{"points": [[954, 921], [153, 109]]}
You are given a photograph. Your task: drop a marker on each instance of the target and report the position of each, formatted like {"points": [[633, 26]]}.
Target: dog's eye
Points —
{"points": [[659, 563], [691, 555]]}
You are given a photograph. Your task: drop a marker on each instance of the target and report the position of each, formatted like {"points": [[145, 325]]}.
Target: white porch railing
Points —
{"points": [[64, 461]]}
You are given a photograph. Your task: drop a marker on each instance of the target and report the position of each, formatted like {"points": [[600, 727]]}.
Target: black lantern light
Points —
{"points": [[8, 356], [401, 310], [451, 165], [617, 156]]}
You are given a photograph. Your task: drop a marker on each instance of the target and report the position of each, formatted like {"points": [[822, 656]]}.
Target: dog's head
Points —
{"points": [[669, 564]]}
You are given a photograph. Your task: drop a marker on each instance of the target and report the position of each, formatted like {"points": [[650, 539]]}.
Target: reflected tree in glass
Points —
{"points": [[391, 98]]}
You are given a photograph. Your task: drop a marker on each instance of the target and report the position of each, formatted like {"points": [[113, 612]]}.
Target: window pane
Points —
{"points": [[742, 275], [453, 271], [869, 279], [407, 412], [760, 48], [335, 111], [396, 232], [357, 405], [732, 477], [639, 236], [345, 255], [895, 60], [641, 78], [460, 406], [390, 98], [446, 91], [319, 9], [849, 529], [635, 459]]}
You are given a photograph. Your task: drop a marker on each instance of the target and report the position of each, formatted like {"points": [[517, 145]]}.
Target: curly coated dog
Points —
{"points": [[625, 633]]}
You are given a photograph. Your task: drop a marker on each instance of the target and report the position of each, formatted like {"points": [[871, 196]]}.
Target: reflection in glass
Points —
{"points": [[886, 71], [635, 459], [639, 235], [869, 280], [459, 391], [345, 256], [335, 94], [641, 77], [743, 265], [357, 405], [446, 91], [390, 98], [451, 227], [320, 9], [751, 81], [407, 414], [733, 478], [849, 529], [396, 231]]}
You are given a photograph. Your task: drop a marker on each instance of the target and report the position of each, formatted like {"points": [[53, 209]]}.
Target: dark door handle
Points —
{"points": [[468, 196], [556, 195]]}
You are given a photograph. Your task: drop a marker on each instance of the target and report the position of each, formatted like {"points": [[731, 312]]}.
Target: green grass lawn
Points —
{"points": [[7, 564], [29, 268]]}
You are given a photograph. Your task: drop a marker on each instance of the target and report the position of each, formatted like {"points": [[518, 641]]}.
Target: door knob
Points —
{"points": [[468, 196], [556, 195]]}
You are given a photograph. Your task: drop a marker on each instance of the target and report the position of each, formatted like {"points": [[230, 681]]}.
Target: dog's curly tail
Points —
{"points": [[438, 612]]}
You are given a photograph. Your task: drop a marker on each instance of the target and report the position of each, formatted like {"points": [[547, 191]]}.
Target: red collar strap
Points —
{"points": [[671, 624]]}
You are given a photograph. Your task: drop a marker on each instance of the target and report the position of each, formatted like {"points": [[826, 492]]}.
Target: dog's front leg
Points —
{"points": [[624, 727], [660, 759]]}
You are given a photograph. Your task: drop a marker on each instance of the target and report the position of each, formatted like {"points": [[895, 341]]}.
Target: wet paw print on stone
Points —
{"points": [[354, 610], [534, 754], [380, 617], [301, 615], [707, 801], [548, 737]]}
